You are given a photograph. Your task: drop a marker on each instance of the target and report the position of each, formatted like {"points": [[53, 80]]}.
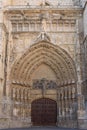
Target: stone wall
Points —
{"points": [[85, 19], [51, 24], [35, 2]]}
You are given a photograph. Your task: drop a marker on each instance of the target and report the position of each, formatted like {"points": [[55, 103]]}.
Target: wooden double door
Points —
{"points": [[44, 112]]}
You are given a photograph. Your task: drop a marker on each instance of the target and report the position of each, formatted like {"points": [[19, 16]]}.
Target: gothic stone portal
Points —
{"points": [[43, 75]]}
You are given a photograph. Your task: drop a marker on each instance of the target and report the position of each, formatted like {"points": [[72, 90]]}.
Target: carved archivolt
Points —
{"points": [[44, 52]]}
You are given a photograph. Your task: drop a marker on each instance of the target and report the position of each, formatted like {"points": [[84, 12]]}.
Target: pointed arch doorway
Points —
{"points": [[49, 61], [44, 112]]}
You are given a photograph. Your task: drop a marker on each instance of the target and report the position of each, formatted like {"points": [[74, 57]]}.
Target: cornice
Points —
{"points": [[17, 9]]}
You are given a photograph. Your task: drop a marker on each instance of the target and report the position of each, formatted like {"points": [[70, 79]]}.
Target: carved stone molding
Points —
{"points": [[44, 52], [42, 37], [44, 84]]}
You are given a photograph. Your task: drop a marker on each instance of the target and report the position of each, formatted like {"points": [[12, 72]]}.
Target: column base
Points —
{"points": [[81, 114]]}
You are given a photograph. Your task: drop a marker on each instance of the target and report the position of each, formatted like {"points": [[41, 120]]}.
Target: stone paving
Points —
{"points": [[43, 128]]}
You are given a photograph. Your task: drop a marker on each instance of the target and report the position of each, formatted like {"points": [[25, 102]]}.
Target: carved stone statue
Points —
{"points": [[44, 25]]}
